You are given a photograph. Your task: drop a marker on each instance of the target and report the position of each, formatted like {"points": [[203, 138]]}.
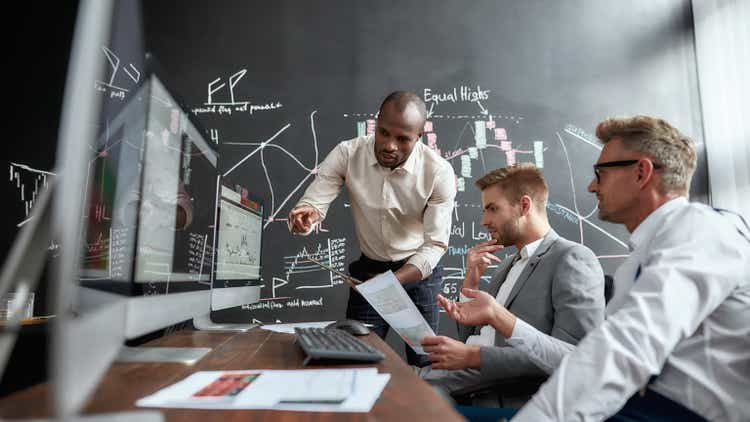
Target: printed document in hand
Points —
{"points": [[390, 300], [312, 390]]}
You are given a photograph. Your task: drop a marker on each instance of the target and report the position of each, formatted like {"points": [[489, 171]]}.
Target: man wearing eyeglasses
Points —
{"points": [[678, 326]]}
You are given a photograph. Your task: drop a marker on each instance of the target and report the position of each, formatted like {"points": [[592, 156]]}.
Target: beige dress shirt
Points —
{"points": [[398, 214]]}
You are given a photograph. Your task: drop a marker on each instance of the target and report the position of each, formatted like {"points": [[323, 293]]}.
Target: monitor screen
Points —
{"points": [[239, 236], [151, 187], [175, 225]]}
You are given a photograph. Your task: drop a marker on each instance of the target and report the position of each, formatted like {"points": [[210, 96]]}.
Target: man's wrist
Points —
{"points": [[408, 273], [503, 320], [471, 280], [475, 357]]}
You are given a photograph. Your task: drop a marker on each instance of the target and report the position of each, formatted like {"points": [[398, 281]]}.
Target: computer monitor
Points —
{"points": [[135, 212], [236, 253], [145, 216], [149, 214], [154, 214]]}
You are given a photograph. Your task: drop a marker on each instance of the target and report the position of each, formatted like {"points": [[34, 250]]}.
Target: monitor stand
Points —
{"points": [[225, 298], [183, 355], [204, 323]]}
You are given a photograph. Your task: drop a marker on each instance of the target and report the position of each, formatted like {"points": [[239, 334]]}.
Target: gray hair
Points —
{"points": [[669, 148]]}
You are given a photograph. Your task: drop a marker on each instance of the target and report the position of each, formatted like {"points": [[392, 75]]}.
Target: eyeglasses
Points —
{"points": [[622, 163]]}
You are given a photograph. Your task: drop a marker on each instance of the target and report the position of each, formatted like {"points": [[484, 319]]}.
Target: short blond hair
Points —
{"points": [[516, 181], [669, 148]]}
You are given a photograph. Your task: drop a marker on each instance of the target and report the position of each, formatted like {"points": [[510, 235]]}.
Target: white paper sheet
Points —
{"points": [[271, 388], [261, 393], [390, 300], [361, 401], [321, 386]]}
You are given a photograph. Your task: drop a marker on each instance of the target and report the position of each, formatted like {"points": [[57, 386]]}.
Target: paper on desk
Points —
{"points": [[289, 328], [315, 386], [390, 300], [351, 389], [216, 390], [368, 388]]}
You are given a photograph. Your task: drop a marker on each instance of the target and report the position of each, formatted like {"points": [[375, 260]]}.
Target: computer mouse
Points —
{"points": [[351, 326]]}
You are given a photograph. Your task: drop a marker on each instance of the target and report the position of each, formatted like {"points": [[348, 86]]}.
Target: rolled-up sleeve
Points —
{"points": [[437, 220], [327, 184]]}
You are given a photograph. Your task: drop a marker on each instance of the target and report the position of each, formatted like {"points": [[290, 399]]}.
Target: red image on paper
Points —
{"points": [[227, 385]]}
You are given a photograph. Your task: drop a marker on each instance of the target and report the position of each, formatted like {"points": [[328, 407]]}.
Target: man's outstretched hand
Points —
{"points": [[302, 218], [478, 311]]}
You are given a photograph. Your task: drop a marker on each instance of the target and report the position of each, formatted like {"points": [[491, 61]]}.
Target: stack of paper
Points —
{"points": [[309, 390]]}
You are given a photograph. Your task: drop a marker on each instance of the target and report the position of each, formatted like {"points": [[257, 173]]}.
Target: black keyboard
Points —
{"points": [[334, 344]]}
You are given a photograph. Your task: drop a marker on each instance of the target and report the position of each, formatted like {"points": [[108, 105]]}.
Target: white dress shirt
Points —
{"points": [[486, 335], [401, 213], [681, 311]]}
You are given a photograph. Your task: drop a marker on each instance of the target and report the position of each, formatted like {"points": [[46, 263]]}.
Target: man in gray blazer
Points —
{"points": [[553, 284]]}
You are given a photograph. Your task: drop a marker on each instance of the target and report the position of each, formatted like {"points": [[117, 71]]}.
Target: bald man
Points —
{"points": [[401, 195]]}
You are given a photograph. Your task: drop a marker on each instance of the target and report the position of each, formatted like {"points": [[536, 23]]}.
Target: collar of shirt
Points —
{"points": [[529, 249], [486, 335], [409, 165], [653, 220]]}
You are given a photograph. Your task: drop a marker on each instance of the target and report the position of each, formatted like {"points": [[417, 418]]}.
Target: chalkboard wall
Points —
{"points": [[505, 81]]}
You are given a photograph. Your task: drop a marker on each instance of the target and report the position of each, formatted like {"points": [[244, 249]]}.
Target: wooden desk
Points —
{"points": [[405, 397]]}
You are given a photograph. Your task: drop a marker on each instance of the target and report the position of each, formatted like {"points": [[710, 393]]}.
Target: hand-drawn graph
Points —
{"points": [[465, 149], [332, 254], [302, 275], [482, 136], [260, 149], [29, 181], [116, 91]]}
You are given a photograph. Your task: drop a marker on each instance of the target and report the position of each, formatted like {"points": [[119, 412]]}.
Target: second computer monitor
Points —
{"points": [[237, 246]]}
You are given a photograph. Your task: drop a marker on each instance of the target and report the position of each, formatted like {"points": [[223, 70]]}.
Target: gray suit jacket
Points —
{"points": [[561, 293]]}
